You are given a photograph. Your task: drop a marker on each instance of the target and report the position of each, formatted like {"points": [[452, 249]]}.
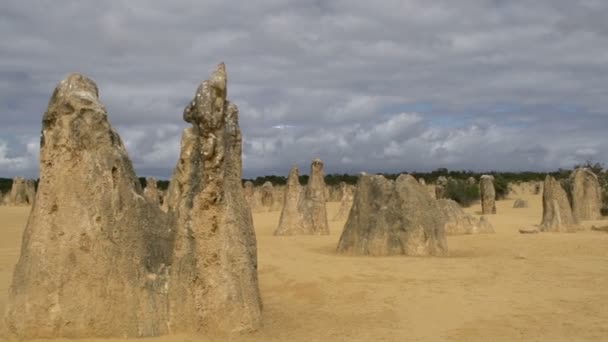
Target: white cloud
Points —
{"points": [[381, 85]]}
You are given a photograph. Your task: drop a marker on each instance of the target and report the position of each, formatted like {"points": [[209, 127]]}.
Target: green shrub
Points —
{"points": [[461, 192], [501, 187]]}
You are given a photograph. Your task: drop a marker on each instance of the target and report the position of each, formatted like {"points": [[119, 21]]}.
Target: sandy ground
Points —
{"points": [[499, 287]]}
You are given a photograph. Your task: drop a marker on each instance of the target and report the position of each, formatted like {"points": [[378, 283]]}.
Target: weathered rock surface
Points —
{"points": [[334, 193], [151, 192], [94, 251], [249, 194], [471, 181], [393, 217], [441, 187], [291, 221], [520, 203], [488, 195], [312, 205], [557, 213], [457, 222], [214, 283], [23, 192], [311, 217], [267, 195], [586, 195], [422, 181], [346, 203]]}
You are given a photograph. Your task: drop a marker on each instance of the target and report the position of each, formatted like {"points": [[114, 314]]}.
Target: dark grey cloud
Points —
{"points": [[378, 86]]}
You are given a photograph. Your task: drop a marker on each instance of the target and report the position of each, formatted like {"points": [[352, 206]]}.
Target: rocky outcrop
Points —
{"points": [[249, 192], [214, 283], [393, 217], [457, 222], [334, 193], [586, 195], [100, 260], [310, 218], [94, 255], [312, 205], [488, 195], [422, 181], [471, 181], [441, 187], [557, 213], [151, 192], [267, 196], [23, 192], [346, 202], [291, 221], [520, 203]]}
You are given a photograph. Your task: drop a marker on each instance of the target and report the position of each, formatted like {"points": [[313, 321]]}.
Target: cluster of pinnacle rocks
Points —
{"points": [[99, 259]]}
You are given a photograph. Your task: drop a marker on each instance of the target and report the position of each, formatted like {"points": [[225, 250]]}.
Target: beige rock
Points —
{"points": [[291, 221], [471, 181], [186, 177], [538, 188], [335, 193], [345, 203], [310, 217], [266, 197], [249, 194], [389, 218], [529, 231], [557, 213], [488, 195], [312, 205], [151, 192], [441, 187], [586, 195], [422, 181], [278, 198], [94, 255], [214, 282], [23, 192], [520, 203], [457, 222]]}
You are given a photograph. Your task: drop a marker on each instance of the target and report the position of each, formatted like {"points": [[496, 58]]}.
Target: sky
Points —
{"points": [[375, 86]]}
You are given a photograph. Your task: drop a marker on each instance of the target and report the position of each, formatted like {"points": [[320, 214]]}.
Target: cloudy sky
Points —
{"points": [[366, 85]]}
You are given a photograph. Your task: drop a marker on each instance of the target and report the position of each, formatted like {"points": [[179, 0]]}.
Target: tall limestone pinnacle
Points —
{"points": [[94, 251], [291, 220], [98, 259], [214, 271], [304, 211]]}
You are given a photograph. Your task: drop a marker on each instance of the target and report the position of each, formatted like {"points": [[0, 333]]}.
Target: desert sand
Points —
{"points": [[492, 287]]}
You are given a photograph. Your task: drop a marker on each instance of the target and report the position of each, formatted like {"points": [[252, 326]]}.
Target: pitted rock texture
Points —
{"points": [[214, 284], [151, 191], [95, 252], [557, 213], [586, 195], [393, 217]]}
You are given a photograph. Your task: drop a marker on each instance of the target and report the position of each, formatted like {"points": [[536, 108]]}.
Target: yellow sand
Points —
{"points": [[500, 287]]}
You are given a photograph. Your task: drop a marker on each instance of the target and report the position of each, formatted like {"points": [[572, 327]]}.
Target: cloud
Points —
{"points": [[379, 86]]}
